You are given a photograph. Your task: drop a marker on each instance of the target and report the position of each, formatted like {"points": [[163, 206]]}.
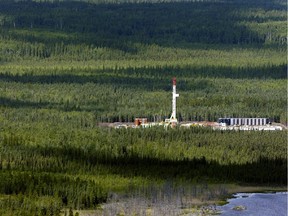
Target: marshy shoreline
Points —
{"points": [[177, 201]]}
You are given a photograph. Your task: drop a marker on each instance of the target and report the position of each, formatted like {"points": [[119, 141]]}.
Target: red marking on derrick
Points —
{"points": [[174, 80]]}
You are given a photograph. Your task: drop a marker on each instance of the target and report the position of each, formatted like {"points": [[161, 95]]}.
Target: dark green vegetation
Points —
{"points": [[78, 166], [117, 61], [67, 66]]}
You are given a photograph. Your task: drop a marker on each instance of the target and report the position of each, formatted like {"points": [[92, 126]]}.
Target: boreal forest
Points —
{"points": [[68, 66]]}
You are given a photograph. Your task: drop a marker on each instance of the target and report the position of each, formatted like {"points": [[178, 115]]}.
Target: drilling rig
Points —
{"points": [[173, 119]]}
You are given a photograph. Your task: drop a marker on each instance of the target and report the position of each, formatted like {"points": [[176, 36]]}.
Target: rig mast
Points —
{"points": [[173, 118]]}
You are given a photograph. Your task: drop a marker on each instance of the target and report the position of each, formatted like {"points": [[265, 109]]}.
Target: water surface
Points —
{"points": [[257, 204]]}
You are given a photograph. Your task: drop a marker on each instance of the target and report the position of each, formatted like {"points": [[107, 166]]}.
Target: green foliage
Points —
{"points": [[82, 31], [66, 66], [29, 205], [79, 167], [123, 94]]}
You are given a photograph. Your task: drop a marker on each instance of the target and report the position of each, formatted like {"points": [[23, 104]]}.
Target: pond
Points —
{"points": [[256, 204], [170, 199]]}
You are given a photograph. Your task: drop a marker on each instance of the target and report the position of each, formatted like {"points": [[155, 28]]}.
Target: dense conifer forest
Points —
{"points": [[67, 66]]}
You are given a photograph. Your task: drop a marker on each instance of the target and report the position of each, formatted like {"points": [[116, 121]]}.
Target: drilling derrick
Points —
{"points": [[173, 119]]}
